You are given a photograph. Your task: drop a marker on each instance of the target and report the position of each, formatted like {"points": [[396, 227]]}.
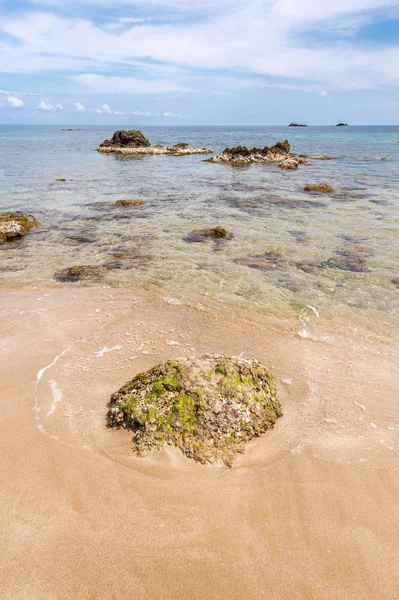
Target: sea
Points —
{"points": [[288, 249]]}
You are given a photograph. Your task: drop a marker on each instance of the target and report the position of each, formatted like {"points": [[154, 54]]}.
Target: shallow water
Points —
{"points": [[337, 253]]}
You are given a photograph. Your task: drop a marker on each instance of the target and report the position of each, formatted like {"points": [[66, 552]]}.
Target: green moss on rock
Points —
{"points": [[208, 407], [15, 225]]}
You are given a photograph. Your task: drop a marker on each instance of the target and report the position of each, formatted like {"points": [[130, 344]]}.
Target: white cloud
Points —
{"points": [[79, 107], [267, 38], [15, 102], [59, 107], [46, 106], [129, 85]]}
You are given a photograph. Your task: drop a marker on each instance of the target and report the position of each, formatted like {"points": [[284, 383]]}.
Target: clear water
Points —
{"points": [[316, 241]]}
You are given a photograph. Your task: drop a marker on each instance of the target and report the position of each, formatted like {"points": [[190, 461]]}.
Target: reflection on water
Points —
{"points": [[288, 248]]}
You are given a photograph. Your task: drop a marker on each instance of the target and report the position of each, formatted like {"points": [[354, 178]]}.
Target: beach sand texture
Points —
{"points": [[309, 511]]}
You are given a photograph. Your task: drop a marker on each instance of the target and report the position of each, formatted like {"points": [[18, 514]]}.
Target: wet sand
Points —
{"points": [[308, 511]]}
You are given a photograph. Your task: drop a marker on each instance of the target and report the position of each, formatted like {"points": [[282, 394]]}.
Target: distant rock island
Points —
{"points": [[296, 125], [241, 155], [134, 142], [342, 125]]}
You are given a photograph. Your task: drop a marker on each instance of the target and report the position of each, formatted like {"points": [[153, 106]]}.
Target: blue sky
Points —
{"points": [[216, 62]]}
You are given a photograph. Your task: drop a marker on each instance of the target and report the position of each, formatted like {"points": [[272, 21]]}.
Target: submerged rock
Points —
{"points": [[319, 188], [289, 164], [134, 142], [241, 155], [208, 407], [80, 273], [129, 203], [200, 235], [269, 261], [321, 157], [347, 260], [15, 225]]}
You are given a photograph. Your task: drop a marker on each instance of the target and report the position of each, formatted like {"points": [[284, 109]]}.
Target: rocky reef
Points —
{"points": [[208, 407], [242, 155], [15, 225], [134, 142]]}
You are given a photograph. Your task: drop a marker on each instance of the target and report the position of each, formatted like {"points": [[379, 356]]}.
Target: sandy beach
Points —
{"points": [[308, 511]]}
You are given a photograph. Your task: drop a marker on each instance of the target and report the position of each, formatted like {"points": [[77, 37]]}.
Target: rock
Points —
{"points": [[318, 188], [126, 139], [241, 155], [322, 157], [134, 142], [395, 282], [208, 407], [346, 260], [201, 235], [296, 125], [79, 273], [269, 261], [289, 164], [124, 203], [61, 179], [342, 125], [15, 225]]}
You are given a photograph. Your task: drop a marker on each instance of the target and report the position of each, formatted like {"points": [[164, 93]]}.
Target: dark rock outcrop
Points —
{"points": [[126, 139], [208, 407], [242, 155], [296, 125], [15, 225], [134, 142], [342, 125]]}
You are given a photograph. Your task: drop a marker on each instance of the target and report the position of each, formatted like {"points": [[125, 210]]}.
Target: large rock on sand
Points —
{"points": [[208, 407], [15, 225]]}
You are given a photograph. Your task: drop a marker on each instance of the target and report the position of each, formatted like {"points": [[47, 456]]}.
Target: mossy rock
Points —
{"points": [[201, 235], [208, 407], [15, 225], [80, 273], [127, 203], [318, 188]]}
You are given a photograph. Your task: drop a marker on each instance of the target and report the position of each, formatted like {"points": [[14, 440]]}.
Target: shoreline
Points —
{"points": [[307, 511]]}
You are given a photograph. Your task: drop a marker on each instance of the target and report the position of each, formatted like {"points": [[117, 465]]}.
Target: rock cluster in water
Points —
{"points": [[15, 225], [134, 142], [208, 407], [242, 155], [342, 125], [296, 125]]}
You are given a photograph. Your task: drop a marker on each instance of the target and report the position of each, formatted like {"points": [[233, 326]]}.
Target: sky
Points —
{"points": [[213, 62]]}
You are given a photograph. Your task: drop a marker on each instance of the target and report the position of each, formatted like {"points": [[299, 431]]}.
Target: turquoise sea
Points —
{"points": [[290, 249]]}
